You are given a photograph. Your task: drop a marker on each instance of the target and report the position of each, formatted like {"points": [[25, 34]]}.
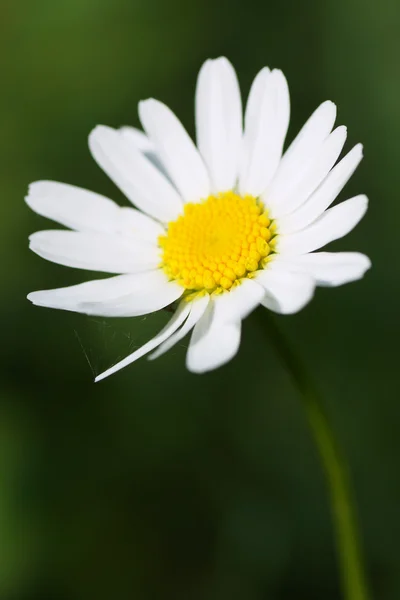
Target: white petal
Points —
{"points": [[327, 268], [239, 302], [176, 321], [335, 223], [132, 222], [121, 296], [286, 292], [176, 150], [82, 210], [266, 124], [304, 147], [197, 308], [134, 174], [96, 251], [72, 206], [102, 290], [213, 343], [324, 195], [219, 122], [307, 181], [216, 337], [138, 139]]}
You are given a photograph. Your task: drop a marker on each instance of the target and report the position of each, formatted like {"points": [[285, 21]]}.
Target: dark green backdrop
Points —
{"points": [[159, 484]]}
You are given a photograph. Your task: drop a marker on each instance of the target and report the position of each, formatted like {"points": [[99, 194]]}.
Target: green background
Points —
{"points": [[158, 483]]}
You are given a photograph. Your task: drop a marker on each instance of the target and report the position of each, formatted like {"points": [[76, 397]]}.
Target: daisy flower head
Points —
{"points": [[218, 228]]}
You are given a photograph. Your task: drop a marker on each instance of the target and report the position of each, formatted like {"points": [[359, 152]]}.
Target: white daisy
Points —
{"points": [[219, 228]]}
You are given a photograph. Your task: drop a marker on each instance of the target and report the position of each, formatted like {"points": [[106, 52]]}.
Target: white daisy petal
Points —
{"points": [[132, 222], [96, 251], [327, 268], [286, 292], [303, 148], [213, 343], [324, 195], [266, 124], [178, 318], [197, 308], [335, 223], [82, 210], [216, 337], [176, 150], [121, 296], [134, 174], [239, 302], [139, 140], [103, 290], [314, 173], [219, 121], [72, 206]]}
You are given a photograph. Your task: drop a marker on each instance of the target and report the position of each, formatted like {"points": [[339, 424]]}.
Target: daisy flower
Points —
{"points": [[218, 228]]}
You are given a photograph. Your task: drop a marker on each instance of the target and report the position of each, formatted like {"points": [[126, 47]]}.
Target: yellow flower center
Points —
{"points": [[216, 242]]}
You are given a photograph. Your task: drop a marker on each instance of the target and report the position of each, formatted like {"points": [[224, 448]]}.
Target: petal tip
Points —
{"points": [[329, 104], [363, 200], [194, 368], [93, 137], [221, 60], [329, 108], [98, 128], [143, 104], [32, 187], [278, 73], [367, 262], [33, 298], [35, 192]]}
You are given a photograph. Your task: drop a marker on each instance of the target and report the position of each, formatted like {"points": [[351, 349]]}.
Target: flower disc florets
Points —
{"points": [[216, 242]]}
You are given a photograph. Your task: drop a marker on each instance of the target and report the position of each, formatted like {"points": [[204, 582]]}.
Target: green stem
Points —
{"points": [[335, 466]]}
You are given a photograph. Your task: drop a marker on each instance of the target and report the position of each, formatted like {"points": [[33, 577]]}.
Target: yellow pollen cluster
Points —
{"points": [[216, 242]]}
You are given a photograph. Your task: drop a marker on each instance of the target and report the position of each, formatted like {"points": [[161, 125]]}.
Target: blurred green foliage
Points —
{"points": [[158, 483]]}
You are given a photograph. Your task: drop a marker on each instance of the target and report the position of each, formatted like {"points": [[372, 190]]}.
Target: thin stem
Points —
{"points": [[335, 466]]}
